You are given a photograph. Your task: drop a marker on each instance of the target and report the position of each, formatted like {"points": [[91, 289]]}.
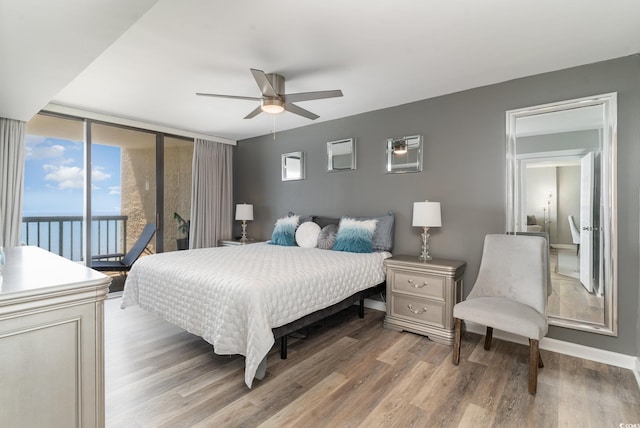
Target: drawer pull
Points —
{"points": [[415, 311], [414, 285]]}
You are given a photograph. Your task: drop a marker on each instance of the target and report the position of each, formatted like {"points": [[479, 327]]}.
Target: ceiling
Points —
{"points": [[144, 60]]}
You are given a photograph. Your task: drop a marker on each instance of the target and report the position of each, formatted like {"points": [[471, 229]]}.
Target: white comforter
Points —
{"points": [[233, 296]]}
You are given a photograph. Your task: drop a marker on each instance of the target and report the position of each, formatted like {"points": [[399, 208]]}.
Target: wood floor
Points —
{"points": [[350, 372]]}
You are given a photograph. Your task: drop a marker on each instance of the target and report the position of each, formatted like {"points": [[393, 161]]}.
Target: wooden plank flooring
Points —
{"points": [[350, 372]]}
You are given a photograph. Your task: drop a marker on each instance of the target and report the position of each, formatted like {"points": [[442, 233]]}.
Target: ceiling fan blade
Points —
{"points": [[317, 95], [292, 108], [254, 113], [234, 97], [263, 83]]}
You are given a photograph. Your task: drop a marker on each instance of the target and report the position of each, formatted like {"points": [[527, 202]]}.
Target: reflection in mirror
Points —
{"points": [[404, 154], [561, 181], [341, 155], [293, 166]]}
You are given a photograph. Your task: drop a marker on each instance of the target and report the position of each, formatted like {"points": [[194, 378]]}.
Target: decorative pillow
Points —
{"points": [[383, 236], [285, 231], [301, 218], [355, 236], [327, 236], [325, 221], [531, 220], [307, 235]]}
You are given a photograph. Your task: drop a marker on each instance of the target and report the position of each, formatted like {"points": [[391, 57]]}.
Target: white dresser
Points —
{"points": [[51, 341]]}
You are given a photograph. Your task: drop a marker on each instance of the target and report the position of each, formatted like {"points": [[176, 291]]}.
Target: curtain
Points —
{"points": [[211, 194], [11, 180]]}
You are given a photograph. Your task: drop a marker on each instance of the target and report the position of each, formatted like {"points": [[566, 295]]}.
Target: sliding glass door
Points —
{"points": [[178, 156], [53, 202], [138, 177], [123, 187]]}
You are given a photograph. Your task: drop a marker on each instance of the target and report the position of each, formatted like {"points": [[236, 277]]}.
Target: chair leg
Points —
{"points": [[540, 363], [456, 340], [534, 352], [488, 338]]}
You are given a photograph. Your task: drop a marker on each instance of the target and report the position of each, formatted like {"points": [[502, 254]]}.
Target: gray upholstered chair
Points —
{"points": [[575, 233], [510, 294]]}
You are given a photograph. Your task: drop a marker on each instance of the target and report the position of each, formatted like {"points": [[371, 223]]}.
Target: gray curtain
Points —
{"points": [[211, 194], [11, 180]]}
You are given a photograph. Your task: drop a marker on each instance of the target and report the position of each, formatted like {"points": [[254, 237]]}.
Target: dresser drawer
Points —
{"points": [[431, 286], [417, 309]]}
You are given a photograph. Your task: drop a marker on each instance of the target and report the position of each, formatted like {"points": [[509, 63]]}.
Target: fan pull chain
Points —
{"points": [[273, 126]]}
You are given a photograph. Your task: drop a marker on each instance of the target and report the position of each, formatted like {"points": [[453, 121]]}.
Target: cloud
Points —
{"points": [[72, 177], [53, 150], [114, 190], [98, 174], [67, 177], [41, 151]]}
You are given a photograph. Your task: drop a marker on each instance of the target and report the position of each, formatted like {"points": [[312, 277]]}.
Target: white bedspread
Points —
{"points": [[233, 296]]}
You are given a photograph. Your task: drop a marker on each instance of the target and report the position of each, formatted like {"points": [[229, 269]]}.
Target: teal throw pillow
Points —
{"points": [[285, 231], [355, 236]]}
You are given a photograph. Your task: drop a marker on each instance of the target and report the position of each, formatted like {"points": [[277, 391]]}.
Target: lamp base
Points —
{"points": [[424, 255], [244, 232]]}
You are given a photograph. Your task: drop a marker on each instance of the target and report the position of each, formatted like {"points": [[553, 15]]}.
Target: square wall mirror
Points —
{"points": [[404, 154], [293, 166], [341, 155]]}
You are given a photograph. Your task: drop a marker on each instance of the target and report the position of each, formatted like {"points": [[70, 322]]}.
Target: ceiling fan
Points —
{"points": [[274, 99]]}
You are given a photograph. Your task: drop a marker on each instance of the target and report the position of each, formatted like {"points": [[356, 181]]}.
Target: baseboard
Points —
{"points": [[564, 246], [567, 348], [375, 304], [114, 294]]}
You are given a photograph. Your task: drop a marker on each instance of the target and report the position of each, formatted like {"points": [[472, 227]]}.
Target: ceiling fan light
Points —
{"points": [[272, 106], [399, 147]]}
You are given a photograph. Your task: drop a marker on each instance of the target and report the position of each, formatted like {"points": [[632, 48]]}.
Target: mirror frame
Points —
{"points": [[609, 200], [392, 168], [293, 155], [330, 164]]}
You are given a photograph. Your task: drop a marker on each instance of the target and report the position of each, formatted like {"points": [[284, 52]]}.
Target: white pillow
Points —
{"points": [[307, 235]]}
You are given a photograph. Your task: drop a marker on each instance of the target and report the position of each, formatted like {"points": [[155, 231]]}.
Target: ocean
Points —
{"points": [[63, 234]]}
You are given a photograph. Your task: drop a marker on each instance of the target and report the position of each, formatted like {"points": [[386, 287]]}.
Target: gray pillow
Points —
{"points": [[327, 236], [325, 221], [303, 218], [383, 236]]}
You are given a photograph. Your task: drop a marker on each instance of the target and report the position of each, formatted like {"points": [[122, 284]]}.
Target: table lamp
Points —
{"points": [[426, 214], [244, 212]]}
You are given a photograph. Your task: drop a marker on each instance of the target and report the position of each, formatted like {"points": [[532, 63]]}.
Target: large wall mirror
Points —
{"points": [[561, 179]]}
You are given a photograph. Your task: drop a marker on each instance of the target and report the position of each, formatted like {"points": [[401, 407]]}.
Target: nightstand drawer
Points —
{"points": [[422, 284], [420, 310]]}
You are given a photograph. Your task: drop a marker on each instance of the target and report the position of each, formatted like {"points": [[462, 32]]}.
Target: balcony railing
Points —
{"points": [[64, 235]]}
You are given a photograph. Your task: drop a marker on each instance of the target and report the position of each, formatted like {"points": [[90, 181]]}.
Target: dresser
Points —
{"points": [[51, 341], [421, 295]]}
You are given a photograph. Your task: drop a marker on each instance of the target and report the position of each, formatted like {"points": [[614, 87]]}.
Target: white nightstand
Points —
{"points": [[421, 295]]}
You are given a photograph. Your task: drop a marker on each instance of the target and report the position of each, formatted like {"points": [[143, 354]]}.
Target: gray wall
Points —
{"points": [[561, 141], [464, 169], [568, 201]]}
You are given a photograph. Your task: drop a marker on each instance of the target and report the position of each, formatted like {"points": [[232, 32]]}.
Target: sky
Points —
{"points": [[54, 177]]}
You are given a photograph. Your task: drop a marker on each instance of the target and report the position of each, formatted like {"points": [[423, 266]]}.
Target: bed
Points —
{"points": [[240, 299]]}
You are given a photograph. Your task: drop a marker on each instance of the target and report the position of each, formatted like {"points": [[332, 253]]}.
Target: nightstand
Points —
{"points": [[234, 242], [421, 295]]}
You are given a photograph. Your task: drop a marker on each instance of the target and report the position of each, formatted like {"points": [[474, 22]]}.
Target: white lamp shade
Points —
{"points": [[244, 212], [426, 214]]}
